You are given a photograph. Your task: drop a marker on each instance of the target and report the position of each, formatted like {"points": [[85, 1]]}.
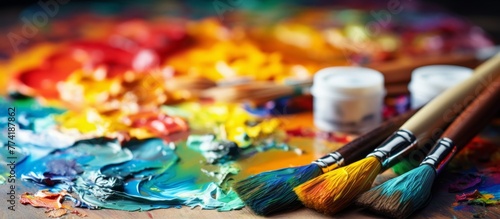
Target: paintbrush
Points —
{"points": [[258, 92], [272, 191], [403, 195], [335, 190], [195, 86]]}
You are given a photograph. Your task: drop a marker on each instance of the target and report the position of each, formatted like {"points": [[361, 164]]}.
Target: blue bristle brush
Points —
{"points": [[270, 192], [403, 195]]}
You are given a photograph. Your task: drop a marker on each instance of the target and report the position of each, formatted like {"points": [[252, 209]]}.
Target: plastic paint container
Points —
{"points": [[429, 81], [348, 99]]}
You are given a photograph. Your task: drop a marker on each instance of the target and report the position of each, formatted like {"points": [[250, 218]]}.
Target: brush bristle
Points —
{"points": [[400, 196], [333, 191], [271, 192]]}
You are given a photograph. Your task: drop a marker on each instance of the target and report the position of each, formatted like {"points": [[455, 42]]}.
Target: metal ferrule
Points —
{"points": [[440, 154], [398, 143], [330, 161]]}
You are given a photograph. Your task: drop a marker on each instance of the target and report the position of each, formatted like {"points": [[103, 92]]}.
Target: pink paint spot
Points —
{"points": [[467, 196]]}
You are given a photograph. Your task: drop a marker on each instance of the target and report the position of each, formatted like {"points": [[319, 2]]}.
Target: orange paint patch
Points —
{"points": [[53, 202]]}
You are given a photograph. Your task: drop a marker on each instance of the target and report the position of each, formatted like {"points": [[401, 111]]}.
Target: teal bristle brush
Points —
{"points": [[270, 192], [403, 195]]}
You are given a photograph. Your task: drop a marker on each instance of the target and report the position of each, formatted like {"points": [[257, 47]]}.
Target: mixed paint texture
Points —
{"points": [[478, 181], [108, 165], [477, 198], [138, 174]]}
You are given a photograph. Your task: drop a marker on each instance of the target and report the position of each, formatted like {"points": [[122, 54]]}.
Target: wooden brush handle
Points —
{"points": [[475, 117], [442, 109], [465, 127], [361, 146], [302, 82]]}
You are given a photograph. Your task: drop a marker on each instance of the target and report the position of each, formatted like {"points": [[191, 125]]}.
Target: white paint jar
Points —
{"points": [[429, 81], [348, 99]]}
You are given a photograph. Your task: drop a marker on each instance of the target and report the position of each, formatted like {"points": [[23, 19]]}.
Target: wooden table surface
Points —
{"points": [[440, 207]]}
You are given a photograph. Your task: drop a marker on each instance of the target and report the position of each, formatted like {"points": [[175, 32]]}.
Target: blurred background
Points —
{"points": [[481, 12]]}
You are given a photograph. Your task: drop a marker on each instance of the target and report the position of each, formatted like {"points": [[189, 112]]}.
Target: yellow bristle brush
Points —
{"points": [[335, 190]]}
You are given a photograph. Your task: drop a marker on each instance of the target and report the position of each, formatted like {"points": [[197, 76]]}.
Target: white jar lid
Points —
{"points": [[439, 77], [348, 81]]}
